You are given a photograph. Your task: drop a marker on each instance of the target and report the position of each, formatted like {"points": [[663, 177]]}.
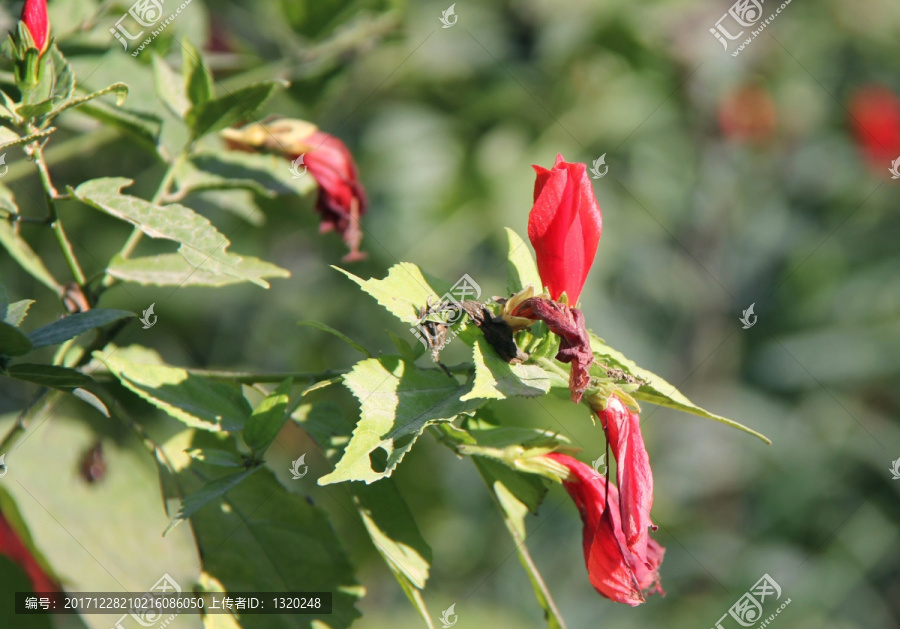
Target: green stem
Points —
{"points": [[40, 402], [51, 196]]}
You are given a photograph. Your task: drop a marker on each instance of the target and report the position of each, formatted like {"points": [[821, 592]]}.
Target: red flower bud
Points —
{"points": [[875, 116], [616, 571], [11, 546], [564, 227], [34, 16]]}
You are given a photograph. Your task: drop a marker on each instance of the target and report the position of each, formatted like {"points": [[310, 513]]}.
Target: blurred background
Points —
{"points": [[761, 178]]}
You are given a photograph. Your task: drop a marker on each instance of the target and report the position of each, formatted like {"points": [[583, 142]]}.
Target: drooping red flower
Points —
{"points": [[34, 16], [616, 571], [564, 227], [875, 118], [12, 546], [341, 200], [633, 474]]}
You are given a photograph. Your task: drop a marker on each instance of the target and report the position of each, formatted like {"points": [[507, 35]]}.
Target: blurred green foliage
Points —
{"points": [[444, 124]]}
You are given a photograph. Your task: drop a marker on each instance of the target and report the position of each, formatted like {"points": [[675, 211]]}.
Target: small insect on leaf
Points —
{"points": [[93, 466]]}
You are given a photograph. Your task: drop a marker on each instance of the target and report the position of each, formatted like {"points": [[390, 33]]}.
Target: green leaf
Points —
{"points": [[72, 325], [48, 375], [13, 342], [516, 495], [211, 491], [260, 537], [521, 269], [202, 245], [397, 538], [16, 312], [197, 80], [143, 126], [170, 87], [407, 352], [230, 109], [172, 269], [402, 292], [12, 139], [656, 390], [264, 174], [220, 458], [196, 401], [119, 89], [340, 335], [520, 449], [497, 379], [26, 257], [397, 401], [89, 398], [267, 419]]}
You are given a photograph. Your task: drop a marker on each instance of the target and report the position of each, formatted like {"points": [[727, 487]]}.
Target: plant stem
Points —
{"points": [[53, 216], [38, 404]]}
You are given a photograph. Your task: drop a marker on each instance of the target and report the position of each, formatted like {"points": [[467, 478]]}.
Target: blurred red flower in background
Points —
{"points": [[875, 118], [12, 546]]}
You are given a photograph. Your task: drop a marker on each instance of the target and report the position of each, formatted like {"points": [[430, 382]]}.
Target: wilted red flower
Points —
{"points": [[616, 571], [633, 474], [12, 546], [748, 114], [564, 227], [875, 117], [34, 16], [342, 199]]}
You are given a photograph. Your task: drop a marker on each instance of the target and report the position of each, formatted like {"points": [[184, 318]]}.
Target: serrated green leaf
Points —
{"points": [[170, 87], [22, 253], [48, 375], [197, 80], [211, 491], [266, 421], [397, 402], [198, 402], [326, 328], [13, 342], [521, 269], [497, 379], [172, 269], [655, 388], [402, 292], [72, 325], [260, 537], [16, 312], [227, 110], [145, 127], [202, 245]]}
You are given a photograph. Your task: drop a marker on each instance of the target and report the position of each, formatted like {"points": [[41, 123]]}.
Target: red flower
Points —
{"points": [[34, 16], [11, 545], [564, 227], [875, 116], [633, 474], [616, 571], [342, 199]]}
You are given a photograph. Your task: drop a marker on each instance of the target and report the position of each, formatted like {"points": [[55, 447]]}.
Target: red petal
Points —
{"points": [[633, 474], [564, 227], [34, 14], [12, 546]]}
